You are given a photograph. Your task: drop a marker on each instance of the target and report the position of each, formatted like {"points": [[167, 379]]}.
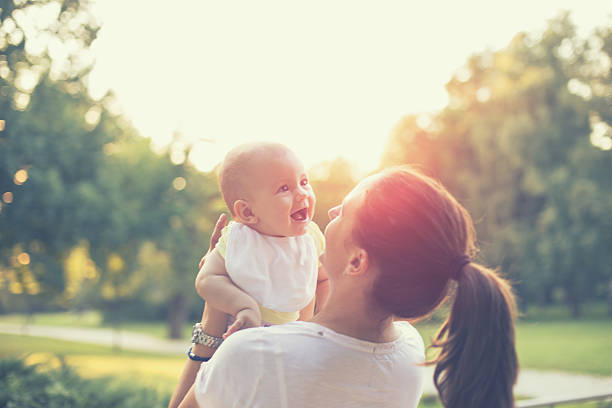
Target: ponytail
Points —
{"points": [[422, 239], [477, 365]]}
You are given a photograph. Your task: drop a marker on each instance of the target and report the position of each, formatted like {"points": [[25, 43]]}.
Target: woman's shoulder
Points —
{"points": [[297, 335], [410, 334]]}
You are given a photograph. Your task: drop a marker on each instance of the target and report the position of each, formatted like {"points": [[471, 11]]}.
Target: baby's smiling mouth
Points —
{"points": [[300, 215]]}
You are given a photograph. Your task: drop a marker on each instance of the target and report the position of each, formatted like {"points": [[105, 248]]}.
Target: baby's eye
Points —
{"points": [[304, 182], [283, 188]]}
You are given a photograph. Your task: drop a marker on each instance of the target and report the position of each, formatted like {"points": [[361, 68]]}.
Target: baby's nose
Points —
{"points": [[301, 193]]}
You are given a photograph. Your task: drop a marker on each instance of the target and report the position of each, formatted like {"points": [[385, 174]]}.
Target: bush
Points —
{"points": [[35, 386]]}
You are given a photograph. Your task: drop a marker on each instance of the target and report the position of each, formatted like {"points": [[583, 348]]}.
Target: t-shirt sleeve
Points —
{"points": [[234, 376], [319, 239], [222, 243]]}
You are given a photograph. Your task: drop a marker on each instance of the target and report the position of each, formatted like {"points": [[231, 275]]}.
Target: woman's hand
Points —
{"points": [[214, 238]]}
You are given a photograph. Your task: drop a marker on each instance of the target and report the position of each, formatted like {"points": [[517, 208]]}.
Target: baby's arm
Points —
{"points": [[215, 286]]}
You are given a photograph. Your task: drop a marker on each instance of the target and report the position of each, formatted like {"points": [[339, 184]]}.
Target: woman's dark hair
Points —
{"points": [[421, 239]]}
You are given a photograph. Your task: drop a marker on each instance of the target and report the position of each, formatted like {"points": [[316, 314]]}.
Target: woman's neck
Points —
{"points": [[358, 321]]}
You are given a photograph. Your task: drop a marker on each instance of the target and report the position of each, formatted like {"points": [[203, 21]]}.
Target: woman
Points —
{"points": [[394, 248]]}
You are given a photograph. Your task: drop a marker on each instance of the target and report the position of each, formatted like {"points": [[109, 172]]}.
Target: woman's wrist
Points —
{"points": [[202, 350]]}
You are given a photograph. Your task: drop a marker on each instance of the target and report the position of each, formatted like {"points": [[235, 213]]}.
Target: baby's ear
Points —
{"points": [[243, 212]]}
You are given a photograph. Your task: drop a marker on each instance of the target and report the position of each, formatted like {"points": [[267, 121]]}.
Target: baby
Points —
{"points": [[264, 269]]}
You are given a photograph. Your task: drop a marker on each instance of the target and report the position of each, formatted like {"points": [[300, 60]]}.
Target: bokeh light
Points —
{"points": [[601, 133], [7, 197], [21, 101], [23, 258], [177, 157], [179, 183], [20, 177], [92, 117], [483, 94], [2, 125]]}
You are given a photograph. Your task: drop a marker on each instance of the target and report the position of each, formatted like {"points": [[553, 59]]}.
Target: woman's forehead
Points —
{"points": [[356, 196]]}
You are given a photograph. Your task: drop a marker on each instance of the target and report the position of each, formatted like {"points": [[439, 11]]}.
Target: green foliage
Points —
{"points": [[525, 144], [157, 371], [93, 215], [430, 401], [34, 387]]}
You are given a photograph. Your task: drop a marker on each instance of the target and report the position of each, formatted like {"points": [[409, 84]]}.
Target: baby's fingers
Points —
{"points": [[237, 325], [214, 238]]}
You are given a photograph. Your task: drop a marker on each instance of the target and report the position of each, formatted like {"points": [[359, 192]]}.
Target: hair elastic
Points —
{"points": [[457, 265]]}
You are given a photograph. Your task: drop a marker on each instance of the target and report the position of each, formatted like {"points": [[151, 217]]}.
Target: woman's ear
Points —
{"points": [[359, 263], [243, 212]]}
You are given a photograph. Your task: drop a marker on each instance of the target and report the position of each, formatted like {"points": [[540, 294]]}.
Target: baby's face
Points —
{"points": [[280, 195]]}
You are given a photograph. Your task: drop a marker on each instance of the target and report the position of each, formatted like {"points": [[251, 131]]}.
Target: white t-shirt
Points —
{"points": [[303, 364]]}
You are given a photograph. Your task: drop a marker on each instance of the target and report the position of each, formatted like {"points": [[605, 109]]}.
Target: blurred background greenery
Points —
{"points": [[97, 229]]}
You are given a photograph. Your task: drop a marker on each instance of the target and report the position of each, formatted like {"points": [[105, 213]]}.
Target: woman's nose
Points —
{"points": [[333, 212]]}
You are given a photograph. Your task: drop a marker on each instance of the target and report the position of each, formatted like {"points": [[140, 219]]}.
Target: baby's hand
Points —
{"points": [[244, 319]]}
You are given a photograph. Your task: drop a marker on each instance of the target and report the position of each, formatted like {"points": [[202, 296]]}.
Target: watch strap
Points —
{"points": [[195, 357]]}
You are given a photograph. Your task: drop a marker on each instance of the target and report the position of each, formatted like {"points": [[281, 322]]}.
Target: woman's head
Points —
{"points": [[418, 239], [412, 230]]}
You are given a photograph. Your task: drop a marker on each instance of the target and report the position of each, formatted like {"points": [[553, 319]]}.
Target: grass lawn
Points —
{"points": [[581, 346], [92, 319]]}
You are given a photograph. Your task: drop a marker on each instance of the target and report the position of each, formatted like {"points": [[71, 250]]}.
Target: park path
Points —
{"points": [[531, 383]]}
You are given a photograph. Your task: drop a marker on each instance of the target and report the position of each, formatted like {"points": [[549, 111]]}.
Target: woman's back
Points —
{"points": [[304, 364]]}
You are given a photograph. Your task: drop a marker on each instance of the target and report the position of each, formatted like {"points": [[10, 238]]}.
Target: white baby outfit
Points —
{"points": [[280, 273]]}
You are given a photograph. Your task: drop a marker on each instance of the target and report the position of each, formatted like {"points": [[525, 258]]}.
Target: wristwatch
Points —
{"points": [[199, 337]]}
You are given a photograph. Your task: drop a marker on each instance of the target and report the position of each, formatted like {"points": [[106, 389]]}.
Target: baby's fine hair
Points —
{"points": [[236, 167]]}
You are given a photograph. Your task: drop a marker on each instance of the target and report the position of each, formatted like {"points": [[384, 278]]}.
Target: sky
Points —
{"points": [[328, 78]]}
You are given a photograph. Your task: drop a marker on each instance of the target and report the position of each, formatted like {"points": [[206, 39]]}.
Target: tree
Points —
{"points": [[41, 124], [87, 205], [518, 144]]}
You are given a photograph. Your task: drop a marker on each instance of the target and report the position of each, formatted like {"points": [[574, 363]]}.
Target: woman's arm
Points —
{"points": [[214, 322], [190, 400]]}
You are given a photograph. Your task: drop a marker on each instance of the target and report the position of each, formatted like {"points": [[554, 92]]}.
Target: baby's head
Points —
{"points": [[266, 187]]}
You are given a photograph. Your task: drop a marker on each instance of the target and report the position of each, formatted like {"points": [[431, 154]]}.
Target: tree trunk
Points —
{"points": [[610, 297], [177, 315], [575, 305]]}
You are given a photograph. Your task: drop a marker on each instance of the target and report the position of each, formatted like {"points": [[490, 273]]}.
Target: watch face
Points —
{"points": [[199, 337]]}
